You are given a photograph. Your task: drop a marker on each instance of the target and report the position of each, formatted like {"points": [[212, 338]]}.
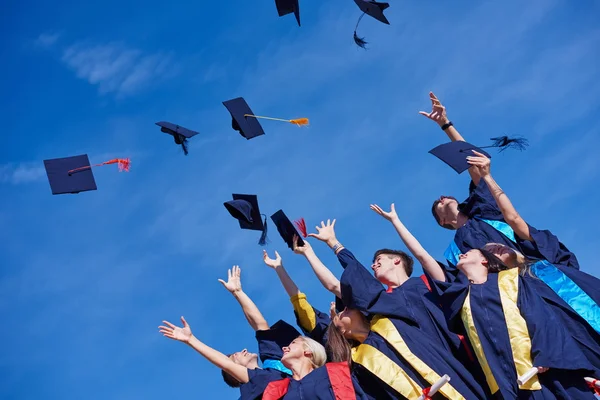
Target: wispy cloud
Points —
{"points": [[47, 39], [21, 173], [116, 68]]}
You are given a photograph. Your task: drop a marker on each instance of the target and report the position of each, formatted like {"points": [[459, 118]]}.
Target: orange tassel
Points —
{"points": [[300, 121]]}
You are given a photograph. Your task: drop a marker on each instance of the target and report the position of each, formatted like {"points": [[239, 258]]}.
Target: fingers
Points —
{"points": [[294, 242], [426, 114], [169, 324], [432, 96], [185, 324], [228, 274], [333, 223], [313, 235], [222, 282], [376, 208], [393, 208], [265, 255], [277, 256], [237, 271], [478, 153], [541, 370], [164, 329]]}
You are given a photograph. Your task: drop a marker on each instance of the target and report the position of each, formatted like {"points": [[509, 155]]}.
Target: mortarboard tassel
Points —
{"points": [[297, 121], [181, 140], [360, 41], [505, 142], [123, 163], [301, 225], [263, 237]]}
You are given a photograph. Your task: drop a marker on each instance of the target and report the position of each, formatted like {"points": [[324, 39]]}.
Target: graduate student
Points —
{"points": [[392, 356], [478, 220], [512, 331]]}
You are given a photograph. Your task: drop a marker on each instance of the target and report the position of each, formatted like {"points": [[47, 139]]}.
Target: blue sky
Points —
{"points": [[86, 279]]}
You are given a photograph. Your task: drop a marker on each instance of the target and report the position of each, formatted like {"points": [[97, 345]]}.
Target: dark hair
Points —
{"points": [[407, 260], [339, 349], [229, 379], [494, 263], [436, 216]]}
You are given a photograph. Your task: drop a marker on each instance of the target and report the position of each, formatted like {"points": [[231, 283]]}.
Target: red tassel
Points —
{"points": [[301, 225], [123, 163]]}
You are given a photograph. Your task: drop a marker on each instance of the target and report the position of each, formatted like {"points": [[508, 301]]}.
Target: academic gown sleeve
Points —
{"points": [[362, 291], [551, 344], [311, 321], [258, 381], [452, 294], [480, 203], [271, 342], [552, 249]]}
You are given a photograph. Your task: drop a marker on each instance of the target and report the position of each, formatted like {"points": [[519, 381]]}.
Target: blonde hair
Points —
{"points": [[319, 356]]}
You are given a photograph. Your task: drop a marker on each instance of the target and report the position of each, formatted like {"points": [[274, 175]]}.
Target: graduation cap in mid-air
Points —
{"points": [[285, 7], [179, 133], [286, 229], [244, 208], [74, 174], [455, 153], [375, 10], [246, 123]]}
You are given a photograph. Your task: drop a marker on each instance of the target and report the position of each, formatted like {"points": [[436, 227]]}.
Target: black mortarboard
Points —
{"points": [[244, 208], [375, 10], [179, 133], [455, 154], [285, 7], [248, 127], [62, 182], [286, 229]]}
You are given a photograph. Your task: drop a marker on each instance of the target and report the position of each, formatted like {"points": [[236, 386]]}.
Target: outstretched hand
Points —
{"points": [[480, 162], [273, 263], [390, 215], [325, 232], [438, 111], [176, 333], [234, 279], [300, 249]]}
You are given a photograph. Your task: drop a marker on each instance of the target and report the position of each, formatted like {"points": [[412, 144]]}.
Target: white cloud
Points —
{"points": [[47, 39], [21, 173], [115, 68]]}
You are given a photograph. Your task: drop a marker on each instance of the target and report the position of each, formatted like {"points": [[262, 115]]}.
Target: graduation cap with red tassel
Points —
{"points": [[123, 163]]}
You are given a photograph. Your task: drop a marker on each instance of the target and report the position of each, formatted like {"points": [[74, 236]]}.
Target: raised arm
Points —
{"points": [[429, 264], [510, 214], [325, 276], [184, 335], [287, 282], [438, 115], [251, 311]]}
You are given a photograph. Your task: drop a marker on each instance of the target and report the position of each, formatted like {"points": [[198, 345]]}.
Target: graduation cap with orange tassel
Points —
{"points": [[74, 174], [246, 122]]}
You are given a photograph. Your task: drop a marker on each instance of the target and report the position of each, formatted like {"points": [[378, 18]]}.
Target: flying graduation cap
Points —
{"points": [[179, 133], [375, 10], [285, 7], [74, 174], [246, 122], [244, 208], [455, 153], [286, 229]]}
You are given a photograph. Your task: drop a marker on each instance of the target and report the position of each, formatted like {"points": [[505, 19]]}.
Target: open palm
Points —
{"points": [[183, 334], [273, 263], [389, 215], [234, 279]]}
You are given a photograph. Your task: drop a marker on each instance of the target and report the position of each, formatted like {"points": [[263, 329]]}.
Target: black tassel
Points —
{"points": [[505, 142], [263, 237], [360, 41], [182, 140]]}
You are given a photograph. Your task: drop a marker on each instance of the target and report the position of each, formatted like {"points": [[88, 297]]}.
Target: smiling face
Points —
{"points": [[445, 210], [295, 350], [347, 321], [384, 267], [244, 358], [471, 261]]}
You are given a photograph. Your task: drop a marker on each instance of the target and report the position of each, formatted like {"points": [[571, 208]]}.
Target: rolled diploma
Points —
{"points": [[436, 386], [593, 381], [527, 376]]}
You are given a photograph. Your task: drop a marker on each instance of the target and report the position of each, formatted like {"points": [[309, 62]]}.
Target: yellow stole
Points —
{"points": [[520, 342], [385, 369]]}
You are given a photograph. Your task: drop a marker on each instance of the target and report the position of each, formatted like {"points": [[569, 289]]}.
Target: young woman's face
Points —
{"points": [[447, 210], [504, 253], [345, 320], [295, 350], [469, 260]]}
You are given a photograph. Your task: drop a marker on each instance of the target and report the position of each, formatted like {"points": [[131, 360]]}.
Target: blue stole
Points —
{"points": [[561, 284], [276, 364]]}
